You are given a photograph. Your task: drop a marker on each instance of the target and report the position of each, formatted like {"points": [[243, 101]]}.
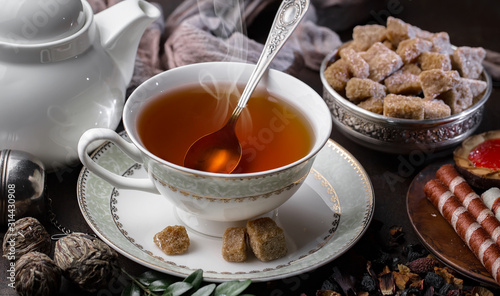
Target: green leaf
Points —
{"points": [[148, 277], [195, 279], [232, 288], [178, 288], [159, 285], [131, 290], [205, 291]]}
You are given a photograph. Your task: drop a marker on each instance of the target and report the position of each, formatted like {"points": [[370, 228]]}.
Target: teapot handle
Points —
{"points": [[98, 134]]}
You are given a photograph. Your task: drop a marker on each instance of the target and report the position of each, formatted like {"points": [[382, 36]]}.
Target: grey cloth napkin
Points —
{"points": [[208, 30]]}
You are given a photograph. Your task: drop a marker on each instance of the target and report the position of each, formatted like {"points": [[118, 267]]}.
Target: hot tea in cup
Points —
{"points": [[272, 132], [283, 127]]}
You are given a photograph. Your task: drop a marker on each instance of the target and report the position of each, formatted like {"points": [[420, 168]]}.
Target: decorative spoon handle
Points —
{"points": [[287, 18]]}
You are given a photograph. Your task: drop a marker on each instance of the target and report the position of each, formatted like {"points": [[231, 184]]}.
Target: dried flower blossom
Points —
{"points": [[423, 265], [37, 274], [26, 235], [86, 261]]}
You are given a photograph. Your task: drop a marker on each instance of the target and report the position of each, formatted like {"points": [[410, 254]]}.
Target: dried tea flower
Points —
{"points": [[86, 261], [423, 265], [26, 235], [37, 274]]}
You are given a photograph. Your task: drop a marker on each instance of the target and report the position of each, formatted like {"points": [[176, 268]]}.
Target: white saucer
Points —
{"points": [[326, 217]]}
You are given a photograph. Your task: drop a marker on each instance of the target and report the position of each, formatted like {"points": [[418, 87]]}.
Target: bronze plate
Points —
{"points": [[437, 234]]}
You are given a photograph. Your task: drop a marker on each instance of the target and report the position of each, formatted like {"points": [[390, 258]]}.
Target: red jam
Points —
{"points": [[486, 154]]}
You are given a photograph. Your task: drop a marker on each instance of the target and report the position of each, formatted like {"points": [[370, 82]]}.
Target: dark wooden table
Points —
{"points": [[472, 23]]}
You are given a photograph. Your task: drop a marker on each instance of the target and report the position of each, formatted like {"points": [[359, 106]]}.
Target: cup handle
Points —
{"points": [[97, 134]]}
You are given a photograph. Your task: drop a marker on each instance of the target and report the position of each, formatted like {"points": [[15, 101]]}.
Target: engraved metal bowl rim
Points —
{"points": [[399, 122]]}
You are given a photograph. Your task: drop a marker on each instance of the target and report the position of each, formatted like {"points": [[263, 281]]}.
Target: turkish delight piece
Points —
{"points": [[359, 89], [435, 60], [337, 74], [267, 240], [468, 61], [436, 81], [234, 245], [410, 49], [406, 107], [434, 109], [375, 105], [366, 35], [357, 65], [382, 61]]}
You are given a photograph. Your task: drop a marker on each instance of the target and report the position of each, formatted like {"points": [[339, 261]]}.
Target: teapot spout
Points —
{"points": [[121, 27]]}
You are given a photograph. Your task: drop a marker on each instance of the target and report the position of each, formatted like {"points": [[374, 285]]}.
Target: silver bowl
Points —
{"points": [[402, 136]]}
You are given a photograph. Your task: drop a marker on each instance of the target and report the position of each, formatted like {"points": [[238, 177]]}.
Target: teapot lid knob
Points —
{"points": [[33, 22]]}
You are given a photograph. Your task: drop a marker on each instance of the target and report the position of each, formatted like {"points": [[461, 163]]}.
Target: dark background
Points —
{"points": [[471, 23]]}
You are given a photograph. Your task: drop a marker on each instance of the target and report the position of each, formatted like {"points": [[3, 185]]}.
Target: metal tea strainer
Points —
{"points": [[22, 186]]}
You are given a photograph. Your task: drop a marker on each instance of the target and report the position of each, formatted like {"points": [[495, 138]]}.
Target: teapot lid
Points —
{"points": [[32, 22]]}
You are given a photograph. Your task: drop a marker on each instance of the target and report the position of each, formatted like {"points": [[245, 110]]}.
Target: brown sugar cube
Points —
{"points": [[389, 45], [435, 60], [398, 30], [434, 109], [267, 240], [459, 98], [366, 35], [375, 105], [357, 66], [234, 246], [412, 69], [436, 81], [410, 49], [357, 46], [403, 82], [477, 87], [419, 33], [468, 61], [173, 240], [441, 43], [406, 107], [337, 75], [382, 61], [359, 89]]}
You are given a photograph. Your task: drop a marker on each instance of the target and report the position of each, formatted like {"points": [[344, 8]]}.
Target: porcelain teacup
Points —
{"points": [[210, 202]]}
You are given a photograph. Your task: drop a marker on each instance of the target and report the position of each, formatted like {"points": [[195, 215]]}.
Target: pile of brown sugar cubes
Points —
{"points": [[402, 71]]}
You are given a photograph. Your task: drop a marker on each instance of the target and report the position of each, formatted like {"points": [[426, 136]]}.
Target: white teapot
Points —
{"points": [[64, 71]]}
